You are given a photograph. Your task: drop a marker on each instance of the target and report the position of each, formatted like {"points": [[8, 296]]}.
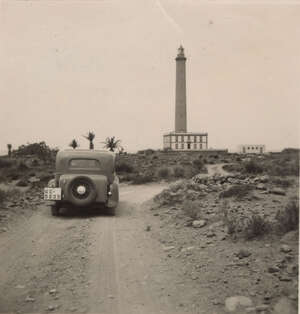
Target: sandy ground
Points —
{"points": [[89, 262]]}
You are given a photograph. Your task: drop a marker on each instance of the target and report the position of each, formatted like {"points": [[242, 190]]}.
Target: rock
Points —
{"points": [[22, 183], [262, 307], [243, 253], [3, 229], [233, 303], [34, 180], [278, 191], [210, 234], [51, 308], [273, 269], [53, 291], [290, 236], [199, 223], [148, 228], [285, 306], [285, 278], [29, 299], [261, 186], [285, 248], [169, 248]]}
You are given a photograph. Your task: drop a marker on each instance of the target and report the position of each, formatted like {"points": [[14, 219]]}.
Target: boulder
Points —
{"points": [[285, 306], [199, 223], [235, 302], [278, 191]]}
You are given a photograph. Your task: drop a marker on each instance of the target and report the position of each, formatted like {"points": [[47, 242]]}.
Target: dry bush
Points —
{"points": [[253, 167], [179, 172], [248, 227], [237, 191], [163, 172], [256, 226], [6, 163], [192, 209], [124, 167], [141, 178], [7, 194], [288, 218]]}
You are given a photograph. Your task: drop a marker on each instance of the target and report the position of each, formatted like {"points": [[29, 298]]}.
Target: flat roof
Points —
{"points": [[185, 133]]}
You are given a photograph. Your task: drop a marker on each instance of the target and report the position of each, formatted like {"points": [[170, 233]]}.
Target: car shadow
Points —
{"points": [[84, 212]]}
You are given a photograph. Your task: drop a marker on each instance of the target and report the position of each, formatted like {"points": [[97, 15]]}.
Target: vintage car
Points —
{"points": [[83, 178]]}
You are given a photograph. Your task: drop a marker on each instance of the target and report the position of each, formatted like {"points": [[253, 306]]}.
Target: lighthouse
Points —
{"points": [[180, 94], [180, 139]]}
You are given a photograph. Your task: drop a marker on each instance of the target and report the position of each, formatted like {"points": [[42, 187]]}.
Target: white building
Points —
{"points": [[252, 149], [185, 141]]}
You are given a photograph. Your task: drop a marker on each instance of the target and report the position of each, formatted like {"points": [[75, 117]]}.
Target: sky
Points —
{"points": [[68, 67]]}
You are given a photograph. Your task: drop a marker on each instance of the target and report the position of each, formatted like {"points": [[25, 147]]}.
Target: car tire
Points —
{"points": [[90, 197], [55, 210]]}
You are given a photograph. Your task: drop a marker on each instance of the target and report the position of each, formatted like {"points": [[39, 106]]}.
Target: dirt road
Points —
{"points": [[89, 262]]}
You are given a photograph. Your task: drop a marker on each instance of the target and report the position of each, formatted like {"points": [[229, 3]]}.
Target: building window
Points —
{"points": [[195, 139], [189, 146], [182, 146], [181, 138], [176, 146], [195, 146], [201, 146]]}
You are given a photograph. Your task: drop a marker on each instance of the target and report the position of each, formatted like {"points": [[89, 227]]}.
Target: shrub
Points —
{"points": [[179, 172], [6, 163], [192, 209], [141, 179], [163, 172], [288, 218], [285, 183], [198, 164], [255, 226], [252, 167], [6, 194], [237, 191], [124, 167]]}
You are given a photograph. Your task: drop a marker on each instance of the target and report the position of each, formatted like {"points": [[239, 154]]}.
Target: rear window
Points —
{"points": [[84, 164]]}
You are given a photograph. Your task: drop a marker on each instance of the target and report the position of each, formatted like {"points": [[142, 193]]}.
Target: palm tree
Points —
{"points": [[112, 144], [90, 137], [74, 144], [9, 147]]}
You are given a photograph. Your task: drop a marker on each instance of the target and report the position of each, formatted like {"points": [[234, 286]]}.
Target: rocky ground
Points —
{"points": [[245, 270], [216, 243]]}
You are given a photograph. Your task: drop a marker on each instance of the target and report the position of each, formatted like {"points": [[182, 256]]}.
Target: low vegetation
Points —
{"points": [[288, 217], [237, 191]]}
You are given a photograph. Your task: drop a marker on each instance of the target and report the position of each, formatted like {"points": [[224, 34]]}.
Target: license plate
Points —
{"points": [[52, 194]]}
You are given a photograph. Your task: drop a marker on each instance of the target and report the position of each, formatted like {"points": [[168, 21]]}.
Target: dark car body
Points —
{"points": [[84, 178]]}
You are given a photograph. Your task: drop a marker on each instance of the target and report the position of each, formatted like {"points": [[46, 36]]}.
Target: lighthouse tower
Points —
{"points": [[181, 139], [180, 97]]}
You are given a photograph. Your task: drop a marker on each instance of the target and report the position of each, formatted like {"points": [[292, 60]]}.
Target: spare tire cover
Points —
{"points": [[79, 198]]}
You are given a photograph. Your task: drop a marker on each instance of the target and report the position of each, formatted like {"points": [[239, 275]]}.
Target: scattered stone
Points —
{"points": [[53, 291], [232, 303], [278, 191], [262, 308], [22, 183], [273, 269], [3, 229], [210, 234], [20, 287], [148, 228], [285, 248], [169, 248], [51, 308], [243, 253], [285, 278], [261, 187], [29, 299], [290, 236], [285, 306], [199, 223]]}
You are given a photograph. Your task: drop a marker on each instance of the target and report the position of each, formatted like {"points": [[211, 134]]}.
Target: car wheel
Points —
{"points": [[82, 191], [55, 210], [111, 211]]}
